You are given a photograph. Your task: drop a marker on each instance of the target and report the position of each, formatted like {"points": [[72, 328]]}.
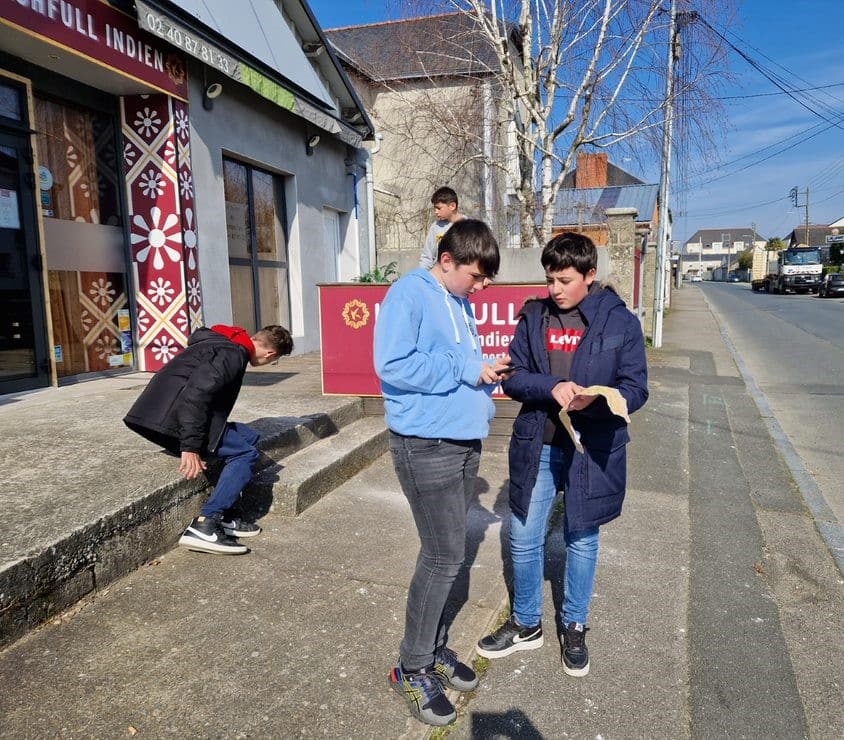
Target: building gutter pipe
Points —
{"points": [[370, 200]]}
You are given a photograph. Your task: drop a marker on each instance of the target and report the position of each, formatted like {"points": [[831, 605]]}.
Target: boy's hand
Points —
{"points": [[564, 393], [192, 465], [578, 403], [496, 372]]}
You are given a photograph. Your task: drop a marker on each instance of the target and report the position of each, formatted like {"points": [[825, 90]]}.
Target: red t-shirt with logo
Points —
{"points": [[562, 336]]}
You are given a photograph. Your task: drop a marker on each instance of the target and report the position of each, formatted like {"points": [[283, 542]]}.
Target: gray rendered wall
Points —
{"points": [[246, 127]]}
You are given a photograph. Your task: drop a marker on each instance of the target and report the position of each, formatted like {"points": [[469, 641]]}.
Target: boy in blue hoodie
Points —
{"points": [[437, 396], [581, 335]]}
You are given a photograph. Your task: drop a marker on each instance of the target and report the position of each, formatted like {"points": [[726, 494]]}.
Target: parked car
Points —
{"points": [[696, 279], [832, 285], [733, 278]]}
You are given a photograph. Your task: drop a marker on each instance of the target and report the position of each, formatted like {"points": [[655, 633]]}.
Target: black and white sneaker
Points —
{"points": [[238, 528], [575, 654], [510, 637], [206, 535]]}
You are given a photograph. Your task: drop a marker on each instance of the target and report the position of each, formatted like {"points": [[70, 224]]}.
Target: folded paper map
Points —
{"points": [[616, 402]]}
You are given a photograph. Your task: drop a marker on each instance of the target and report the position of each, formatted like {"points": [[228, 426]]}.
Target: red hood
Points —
{"points": [[237, 335]]}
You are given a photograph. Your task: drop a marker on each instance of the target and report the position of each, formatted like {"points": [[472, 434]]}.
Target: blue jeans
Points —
{"points": [[527, 550], [239, 454], [436, 476]]}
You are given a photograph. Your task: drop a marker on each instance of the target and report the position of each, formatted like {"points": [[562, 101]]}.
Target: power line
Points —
{"points": [[778, 92], [776, 80]]}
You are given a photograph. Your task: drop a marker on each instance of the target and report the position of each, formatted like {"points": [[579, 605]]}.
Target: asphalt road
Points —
{"points": [[793, 346]]}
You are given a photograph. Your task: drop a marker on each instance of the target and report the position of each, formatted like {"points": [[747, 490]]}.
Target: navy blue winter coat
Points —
{"points": [[611, 352]]}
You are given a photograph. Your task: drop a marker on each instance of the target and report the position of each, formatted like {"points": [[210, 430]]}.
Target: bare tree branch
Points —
{"points": [[559, 75]]}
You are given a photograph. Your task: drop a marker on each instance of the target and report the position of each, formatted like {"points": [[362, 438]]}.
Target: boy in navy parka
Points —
{"points": [[581, 335], [437, 397]]}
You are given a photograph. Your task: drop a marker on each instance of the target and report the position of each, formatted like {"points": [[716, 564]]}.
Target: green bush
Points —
{"points": [[385, 274]]}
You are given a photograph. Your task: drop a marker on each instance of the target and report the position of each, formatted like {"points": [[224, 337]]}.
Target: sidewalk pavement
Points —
{"points": [[717, 612]]}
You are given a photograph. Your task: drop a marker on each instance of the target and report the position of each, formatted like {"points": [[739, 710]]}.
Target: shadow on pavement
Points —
{"points": [[513, 724]]}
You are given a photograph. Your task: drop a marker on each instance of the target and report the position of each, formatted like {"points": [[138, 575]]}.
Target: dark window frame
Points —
{"points": [[254, 262]]}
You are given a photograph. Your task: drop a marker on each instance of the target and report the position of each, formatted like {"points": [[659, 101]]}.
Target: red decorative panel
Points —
{"points": [[163, 229], [102, 296], [188, 214]]}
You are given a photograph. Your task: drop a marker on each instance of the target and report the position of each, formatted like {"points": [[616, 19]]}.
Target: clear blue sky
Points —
{"points": [[802, 43]]}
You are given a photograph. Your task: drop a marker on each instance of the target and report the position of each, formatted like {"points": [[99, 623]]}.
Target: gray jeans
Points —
{"points": [[436, 476]]}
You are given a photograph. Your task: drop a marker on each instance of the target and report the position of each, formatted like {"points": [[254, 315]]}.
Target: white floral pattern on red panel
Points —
{"points": [[188, 212], [164, 348], [155, 235], [151, 170]]}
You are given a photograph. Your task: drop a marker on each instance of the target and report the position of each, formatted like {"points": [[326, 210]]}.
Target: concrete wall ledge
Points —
{"points": [[45, 582]]}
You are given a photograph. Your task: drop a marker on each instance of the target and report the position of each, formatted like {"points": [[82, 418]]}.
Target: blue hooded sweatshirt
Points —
{"points": [[428, 357]]}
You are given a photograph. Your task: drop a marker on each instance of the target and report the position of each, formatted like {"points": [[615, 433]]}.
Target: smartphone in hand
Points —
{"points": [[507, 369]]}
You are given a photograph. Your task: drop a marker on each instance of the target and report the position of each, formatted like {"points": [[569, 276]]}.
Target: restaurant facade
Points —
{"points": [[163, 166]]}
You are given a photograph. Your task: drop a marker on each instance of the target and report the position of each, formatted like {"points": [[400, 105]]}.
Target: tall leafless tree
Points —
{"points": [[575, 74]]}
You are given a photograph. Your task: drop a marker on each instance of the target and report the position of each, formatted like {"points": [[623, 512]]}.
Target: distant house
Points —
{"points": [[594, 168], [596, 185], [815, 236], [714, 251], [429, 87]]}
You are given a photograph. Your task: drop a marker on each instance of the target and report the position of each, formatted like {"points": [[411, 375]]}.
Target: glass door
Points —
{"points": [[84, 242], [24, 361], [256, 227]]}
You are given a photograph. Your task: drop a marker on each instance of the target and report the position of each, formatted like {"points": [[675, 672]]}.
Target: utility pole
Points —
{"points": [[662, 234], [727, 240], [793, 194], [700, 256]]}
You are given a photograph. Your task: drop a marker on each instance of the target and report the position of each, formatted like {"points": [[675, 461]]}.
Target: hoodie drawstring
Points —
{"points": [[468, 323], [466, 320]]}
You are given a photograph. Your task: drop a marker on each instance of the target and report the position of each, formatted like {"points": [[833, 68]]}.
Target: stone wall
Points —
{"points": [[621, 245]]}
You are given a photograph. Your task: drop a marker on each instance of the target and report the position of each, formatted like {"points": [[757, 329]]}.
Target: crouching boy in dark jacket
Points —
{"points": [[581, 335], [185, 409]]}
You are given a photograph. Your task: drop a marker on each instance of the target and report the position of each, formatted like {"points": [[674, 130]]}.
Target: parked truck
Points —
{"points": [[796, 269]]}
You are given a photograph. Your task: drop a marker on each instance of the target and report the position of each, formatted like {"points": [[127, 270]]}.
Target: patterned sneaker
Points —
{"points": [[454, 674], [509, 638], [423, 692], [238, 528], [575, 654], [206, 535]]}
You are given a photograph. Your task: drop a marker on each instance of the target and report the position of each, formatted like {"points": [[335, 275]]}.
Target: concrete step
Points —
{"points": [[288, 488], [283, 435]]}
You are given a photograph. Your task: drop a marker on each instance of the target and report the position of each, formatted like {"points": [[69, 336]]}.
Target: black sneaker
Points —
{"points": [[509, 638], [238, 528], [454, 674], [423, 692], [206, 535], [575, 654]]}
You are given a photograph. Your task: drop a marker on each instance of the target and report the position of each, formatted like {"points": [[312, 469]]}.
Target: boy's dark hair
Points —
{"points": [[444, 195], [468, 241], [276, 337], [570, 249]]}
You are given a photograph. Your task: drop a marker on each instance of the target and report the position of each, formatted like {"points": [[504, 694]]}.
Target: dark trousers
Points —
{"points": [[239, 454], [436, 476]]}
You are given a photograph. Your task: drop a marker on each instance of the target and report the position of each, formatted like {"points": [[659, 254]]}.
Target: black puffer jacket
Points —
{"points": [[187, 403]]}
